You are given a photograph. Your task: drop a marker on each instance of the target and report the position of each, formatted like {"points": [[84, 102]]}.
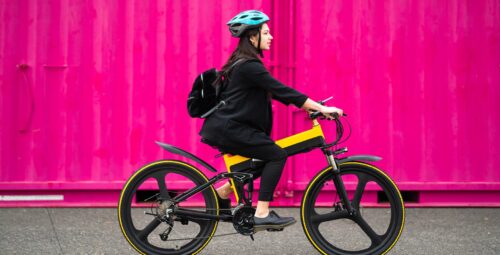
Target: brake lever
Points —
{"points": [[322, 102]]}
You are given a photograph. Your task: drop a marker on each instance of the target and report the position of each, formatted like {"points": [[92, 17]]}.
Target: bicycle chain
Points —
{"points": [[203, 237]]}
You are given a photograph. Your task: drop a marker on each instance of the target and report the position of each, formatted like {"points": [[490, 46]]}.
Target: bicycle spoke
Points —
{"points": [[362, 181], [332, 230], [319, 218], [160, 178], [374, 237], [168, 231], [144, 233]]}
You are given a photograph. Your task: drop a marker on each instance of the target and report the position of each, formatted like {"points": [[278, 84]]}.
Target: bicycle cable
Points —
{"points": [[349, 134]]}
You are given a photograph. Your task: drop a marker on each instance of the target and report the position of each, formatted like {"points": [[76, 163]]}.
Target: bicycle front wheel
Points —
{"points": [[332, 230], [146, 210]]}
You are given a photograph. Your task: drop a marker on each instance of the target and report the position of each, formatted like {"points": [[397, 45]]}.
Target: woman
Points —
{"points": [[243, 125]]}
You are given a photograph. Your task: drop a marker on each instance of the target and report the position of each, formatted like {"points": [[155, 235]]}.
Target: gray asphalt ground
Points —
{"points": [[96, 231]]}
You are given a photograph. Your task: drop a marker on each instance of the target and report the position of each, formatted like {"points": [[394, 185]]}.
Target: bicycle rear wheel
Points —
{"points": [[330, 228], [145, 209]]}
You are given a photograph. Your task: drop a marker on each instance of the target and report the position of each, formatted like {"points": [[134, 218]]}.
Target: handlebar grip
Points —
{"points": [[336, 115], [317, 114]]}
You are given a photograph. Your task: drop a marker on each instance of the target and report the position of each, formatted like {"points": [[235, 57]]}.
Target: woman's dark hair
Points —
{"points": [[245, 51]]}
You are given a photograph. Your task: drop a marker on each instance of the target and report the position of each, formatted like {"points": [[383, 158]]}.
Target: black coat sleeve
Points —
{"points": [[259, 76]]}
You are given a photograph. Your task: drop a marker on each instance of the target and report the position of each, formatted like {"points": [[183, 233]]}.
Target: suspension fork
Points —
{"points": [[339, 183]]}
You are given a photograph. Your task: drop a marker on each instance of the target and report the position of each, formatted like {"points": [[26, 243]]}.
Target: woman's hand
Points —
{"points": [[328, 111], [311, 105]]}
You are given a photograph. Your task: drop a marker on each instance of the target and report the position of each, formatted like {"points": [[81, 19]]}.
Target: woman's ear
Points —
{"points": [[253, 40]]}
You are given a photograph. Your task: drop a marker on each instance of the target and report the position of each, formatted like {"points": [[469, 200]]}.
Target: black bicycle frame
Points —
{"points": [[240, 179]]}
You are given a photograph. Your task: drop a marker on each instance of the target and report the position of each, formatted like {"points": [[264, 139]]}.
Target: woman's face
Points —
{"points": [[265, 38]]}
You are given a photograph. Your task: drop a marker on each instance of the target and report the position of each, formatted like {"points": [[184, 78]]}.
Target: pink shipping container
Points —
{"points": [[86, 87]]}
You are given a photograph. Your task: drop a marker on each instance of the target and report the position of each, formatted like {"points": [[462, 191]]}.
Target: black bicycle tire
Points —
{"points": [[132, 183], [318, 242]]}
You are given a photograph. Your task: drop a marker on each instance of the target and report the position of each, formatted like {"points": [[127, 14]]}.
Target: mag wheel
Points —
{"points": [[145, 209], [332, 230]]}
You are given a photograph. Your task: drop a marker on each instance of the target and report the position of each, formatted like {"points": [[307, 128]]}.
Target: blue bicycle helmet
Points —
{"points": [[246, 20]]}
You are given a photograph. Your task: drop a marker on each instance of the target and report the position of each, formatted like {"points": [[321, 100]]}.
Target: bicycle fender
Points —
{"points": [[186, 154], [369, 158]]}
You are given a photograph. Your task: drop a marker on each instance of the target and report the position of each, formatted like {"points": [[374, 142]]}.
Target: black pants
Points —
{"points": [[270, 173]]}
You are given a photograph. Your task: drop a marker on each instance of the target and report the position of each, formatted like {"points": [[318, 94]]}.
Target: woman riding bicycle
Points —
{"points": [[243, 126]]}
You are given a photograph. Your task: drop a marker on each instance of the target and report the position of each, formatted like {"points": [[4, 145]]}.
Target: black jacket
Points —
{"points": [[246, 119]]}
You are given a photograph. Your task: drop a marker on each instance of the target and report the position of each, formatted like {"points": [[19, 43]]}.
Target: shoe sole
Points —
{"points": [[273, 227]]}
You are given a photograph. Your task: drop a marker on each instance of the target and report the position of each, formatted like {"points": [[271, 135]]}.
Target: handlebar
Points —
{"points": [[339, 126], [316, 114]]}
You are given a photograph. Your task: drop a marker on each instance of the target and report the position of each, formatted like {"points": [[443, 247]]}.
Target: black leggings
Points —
{"points": [[270, 173]]}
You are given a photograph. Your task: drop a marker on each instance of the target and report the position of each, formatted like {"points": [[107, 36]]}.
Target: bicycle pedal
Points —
{"points": [[274, 229]]}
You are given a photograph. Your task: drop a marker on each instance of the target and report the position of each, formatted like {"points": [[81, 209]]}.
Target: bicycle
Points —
{"points": [[183, 212]]}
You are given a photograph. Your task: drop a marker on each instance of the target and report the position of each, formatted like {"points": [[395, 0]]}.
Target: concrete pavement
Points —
{"points": [[96, 231]]}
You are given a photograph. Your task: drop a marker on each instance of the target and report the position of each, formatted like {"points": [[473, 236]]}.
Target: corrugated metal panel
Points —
{"points": [[420, 80], [108, 79], [104, 79]]}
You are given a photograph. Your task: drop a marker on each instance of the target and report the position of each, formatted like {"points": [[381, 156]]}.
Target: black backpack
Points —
{"points": [[204, 98]]}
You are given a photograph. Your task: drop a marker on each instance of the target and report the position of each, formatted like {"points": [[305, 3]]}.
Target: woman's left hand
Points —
{"points": [[328, 111]]}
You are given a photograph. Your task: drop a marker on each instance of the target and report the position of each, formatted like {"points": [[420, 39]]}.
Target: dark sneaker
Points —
{"points": [[272, 222]]}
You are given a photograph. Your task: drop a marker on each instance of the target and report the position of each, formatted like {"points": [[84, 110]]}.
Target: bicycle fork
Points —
{"points": [[337, 180]]}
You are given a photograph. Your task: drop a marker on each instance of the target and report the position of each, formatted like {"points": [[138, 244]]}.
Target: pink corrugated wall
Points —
{"points": [[86, 87]]}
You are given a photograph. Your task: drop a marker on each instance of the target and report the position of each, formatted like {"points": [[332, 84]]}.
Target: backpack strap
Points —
{"points": [[219, 91], [215, 108]]}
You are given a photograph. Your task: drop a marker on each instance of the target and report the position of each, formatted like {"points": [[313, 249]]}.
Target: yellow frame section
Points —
{"points": [[314, 132]]}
